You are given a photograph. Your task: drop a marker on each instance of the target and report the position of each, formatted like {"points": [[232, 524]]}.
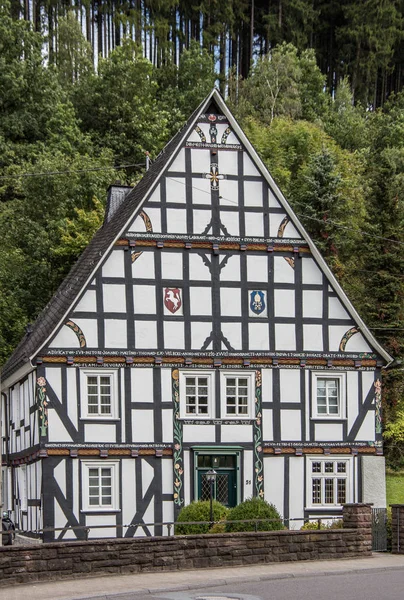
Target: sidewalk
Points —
{"points": [[110, 587]]}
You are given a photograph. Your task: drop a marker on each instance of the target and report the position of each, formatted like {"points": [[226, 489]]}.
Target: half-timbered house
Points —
{"points": [[200, 329]]}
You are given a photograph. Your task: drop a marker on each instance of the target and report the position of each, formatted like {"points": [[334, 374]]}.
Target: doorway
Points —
{"points": [[225, 488]]}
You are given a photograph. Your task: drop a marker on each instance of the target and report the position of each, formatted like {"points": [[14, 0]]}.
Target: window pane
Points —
{"points": [[341, 467], [329, 467], [316, 467], [316, 489], [329, 491], [106, 501], [203, 381], [341, 491], [190, 380]]}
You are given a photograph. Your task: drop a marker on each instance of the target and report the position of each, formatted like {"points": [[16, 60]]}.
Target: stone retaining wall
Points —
{"points": [[66, 560]]}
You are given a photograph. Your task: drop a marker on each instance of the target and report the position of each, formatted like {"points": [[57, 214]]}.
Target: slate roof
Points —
{"points": [[71, 286]]}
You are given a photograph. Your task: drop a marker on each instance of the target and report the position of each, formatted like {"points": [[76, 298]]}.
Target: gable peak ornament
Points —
{"points": [[172, 299]]}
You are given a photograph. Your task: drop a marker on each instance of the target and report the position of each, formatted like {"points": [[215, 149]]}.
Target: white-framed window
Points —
{"points": [[237, 394], [328, 395], [100, 485], [99, 394], [196, 394], [329, 482]]}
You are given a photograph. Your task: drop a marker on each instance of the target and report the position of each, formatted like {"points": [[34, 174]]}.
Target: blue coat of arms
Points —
{"points": [[257, 302]]}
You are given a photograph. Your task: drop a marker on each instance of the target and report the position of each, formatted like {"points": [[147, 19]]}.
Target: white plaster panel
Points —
{"points": [[142, 426], [54, 376], [166, 391], [266, 375], [313, 337], [374, 481], [290, 385], [187, 482], [253, 193], [193, 136], [291, 429], [200, 300], [114, 298], [199, 433], [352, 397], [178, 163], [267, 424], [231, 270], [115, 333], [283, 272], [296, 485], [274, 477], [335, 333], [200, 160], [258, 336], [173, 335], [176, 220], [171, 265], [199, 332], [326, 432], [90, 329], [60, 520], [56, 430], [310, 272], [202, 220], [291, 231], [99, 433], [201, 192], [228, 162], [236, 433], [167, 419], [129, 489], [147, 476], [336, 310], [65, 338], [264, 312], [143, 267], [357, 343], [168, 515], [172, 299], [155, 196], [114, 265], [230, 301], [144, 299], [175, 189], [154, 215], [167, 476], [249, 167], [248, 474], [71, 376], [275, 219], [231, 139], [230, 221], [312, 304], [198, 271], [254, 224], [285, 336], [145, 334], [93, 520], [284, 303], [142, 384], [87, 303], [368, 378], [60, 477], [367, 430], [232, 332], [273, 201], [228, 192], [257, 268]]}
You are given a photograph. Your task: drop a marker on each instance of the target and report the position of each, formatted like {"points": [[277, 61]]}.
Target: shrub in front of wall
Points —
{"points": [[199, 511], [254, 508]]}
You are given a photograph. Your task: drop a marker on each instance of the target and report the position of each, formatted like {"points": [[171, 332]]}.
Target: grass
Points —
{"points": [[395, 487]]}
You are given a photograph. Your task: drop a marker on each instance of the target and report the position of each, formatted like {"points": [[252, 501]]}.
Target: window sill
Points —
{"points": [[100, 511], [100, 418], [328, 418]]}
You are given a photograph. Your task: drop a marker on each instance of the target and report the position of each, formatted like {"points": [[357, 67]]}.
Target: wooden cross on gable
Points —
{"points": [[214, 177]]}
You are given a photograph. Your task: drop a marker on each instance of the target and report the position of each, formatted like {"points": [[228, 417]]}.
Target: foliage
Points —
{"points": [[314, 526], [254, 508], [199, 511]]}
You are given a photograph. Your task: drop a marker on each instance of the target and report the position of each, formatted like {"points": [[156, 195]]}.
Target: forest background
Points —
{"points": [[87, 89]]}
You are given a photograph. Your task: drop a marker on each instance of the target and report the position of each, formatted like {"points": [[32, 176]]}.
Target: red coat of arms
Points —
{"points": [[172, 299]]}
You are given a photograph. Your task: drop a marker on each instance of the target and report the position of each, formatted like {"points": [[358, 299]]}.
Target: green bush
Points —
{"points": [[218, 527], [254, 508], [199, 511], [313, 525]]}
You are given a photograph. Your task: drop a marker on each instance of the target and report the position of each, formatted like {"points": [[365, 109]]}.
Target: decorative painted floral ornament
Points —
{"points": [[257, 302], [172, 299]]}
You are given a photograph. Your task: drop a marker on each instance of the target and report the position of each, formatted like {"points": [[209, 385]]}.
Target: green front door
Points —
{"points": [[225, 486]]}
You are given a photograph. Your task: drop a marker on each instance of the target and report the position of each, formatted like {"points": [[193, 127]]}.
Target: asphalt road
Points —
{"points": [[382, 585]]}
